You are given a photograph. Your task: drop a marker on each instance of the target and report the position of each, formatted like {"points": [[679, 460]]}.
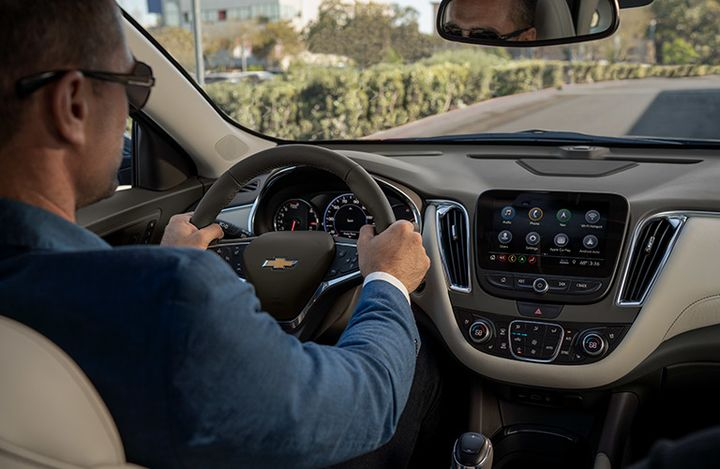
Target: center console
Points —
{"points": [[545, 250]]}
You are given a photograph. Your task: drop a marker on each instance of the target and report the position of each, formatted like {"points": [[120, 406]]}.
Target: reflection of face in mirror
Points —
{"points": [[511, 20]]}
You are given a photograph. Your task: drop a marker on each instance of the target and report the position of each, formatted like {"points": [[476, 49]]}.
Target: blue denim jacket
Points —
{"points": [[193, 372]]}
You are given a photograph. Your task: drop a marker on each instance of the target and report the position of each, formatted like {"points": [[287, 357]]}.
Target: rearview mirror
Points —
{"points": [[527, 23]]}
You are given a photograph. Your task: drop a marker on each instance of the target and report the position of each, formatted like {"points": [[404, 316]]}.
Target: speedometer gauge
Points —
{"points": [[296, 215], [345, 215]]}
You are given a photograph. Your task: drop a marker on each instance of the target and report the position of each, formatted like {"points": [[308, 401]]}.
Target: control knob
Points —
{"points": [[593, 344], [481, 331]]}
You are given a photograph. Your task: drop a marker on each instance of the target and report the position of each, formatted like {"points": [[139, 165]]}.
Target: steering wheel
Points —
{"points": [[293, 271]]}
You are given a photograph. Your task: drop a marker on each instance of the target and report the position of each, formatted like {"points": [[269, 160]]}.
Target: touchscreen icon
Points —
{"points": [[532, 260], [564, 215], [533, 239], [592, 217], [505, 237], [561, 240], [508, 213], [536, 214], [590, 242]]}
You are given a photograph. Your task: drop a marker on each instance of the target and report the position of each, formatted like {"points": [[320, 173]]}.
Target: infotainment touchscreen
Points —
{"points": [[553, 233]]}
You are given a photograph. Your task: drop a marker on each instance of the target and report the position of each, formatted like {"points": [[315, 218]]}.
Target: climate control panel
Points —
{"points": [[560, 343]]}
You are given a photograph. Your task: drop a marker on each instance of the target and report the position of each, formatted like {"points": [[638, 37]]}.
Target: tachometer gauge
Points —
{"points": [[296, 215], [345, 215]]}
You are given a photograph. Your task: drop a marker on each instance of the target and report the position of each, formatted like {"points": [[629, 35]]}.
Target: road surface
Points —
{"points": [[660, 107]]}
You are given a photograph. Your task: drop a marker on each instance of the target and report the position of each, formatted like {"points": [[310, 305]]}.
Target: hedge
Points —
{"points": [[325, 104]]}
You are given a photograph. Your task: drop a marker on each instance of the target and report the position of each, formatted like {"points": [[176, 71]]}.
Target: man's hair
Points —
{"points": [[524, 15], [45, 35]]}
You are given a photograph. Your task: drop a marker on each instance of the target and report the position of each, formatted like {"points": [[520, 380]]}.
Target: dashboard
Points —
{"points": [[548, 269]]}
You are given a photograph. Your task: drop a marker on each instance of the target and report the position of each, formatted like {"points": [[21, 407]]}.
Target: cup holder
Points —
{"points": [[523, 447]]}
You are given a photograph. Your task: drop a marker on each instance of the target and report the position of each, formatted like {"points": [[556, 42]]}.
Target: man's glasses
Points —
{"points": [[138, 84], [482, 33]]}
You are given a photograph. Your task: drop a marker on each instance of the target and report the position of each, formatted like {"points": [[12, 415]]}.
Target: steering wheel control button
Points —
{"points": [[593, 344], [585, 287], [501, 281], [564, 215], [480, 331], [345, 262], [561, 240], [532, 239], [590, 242], [233, 255], [505, 237], [534, 310], [536, 214], [541, 286], [592, 217], [508, 213]]}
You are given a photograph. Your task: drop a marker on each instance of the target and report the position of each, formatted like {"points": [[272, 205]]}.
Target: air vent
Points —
{"points": [[251, 186], [649, 253], [454, 237]]}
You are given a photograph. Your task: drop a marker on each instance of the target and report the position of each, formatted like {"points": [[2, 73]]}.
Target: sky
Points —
{"points": [[423, 6]]}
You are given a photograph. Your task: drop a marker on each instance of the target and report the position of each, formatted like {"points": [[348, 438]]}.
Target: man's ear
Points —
{"points": [[69, 107]]}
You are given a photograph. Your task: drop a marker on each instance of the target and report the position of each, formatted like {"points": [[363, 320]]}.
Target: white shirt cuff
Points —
{"points": [[391, 279]]}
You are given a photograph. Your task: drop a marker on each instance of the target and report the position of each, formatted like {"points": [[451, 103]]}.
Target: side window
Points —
{"points": [[125, 173]]}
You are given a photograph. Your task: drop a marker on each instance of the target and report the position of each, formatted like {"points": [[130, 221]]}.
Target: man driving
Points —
{"points": [[193, 373], [507, 20]]}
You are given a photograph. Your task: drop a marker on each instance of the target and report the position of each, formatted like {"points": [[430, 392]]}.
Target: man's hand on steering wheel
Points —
{"points": [[181, 233], [397, 251]]}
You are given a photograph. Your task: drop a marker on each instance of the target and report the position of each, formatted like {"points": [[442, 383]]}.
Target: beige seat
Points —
{"points": [[50, 414], [553, 20]]}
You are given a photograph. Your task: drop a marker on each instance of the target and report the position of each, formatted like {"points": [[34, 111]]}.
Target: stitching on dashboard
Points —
{"points": [[687, 308]]}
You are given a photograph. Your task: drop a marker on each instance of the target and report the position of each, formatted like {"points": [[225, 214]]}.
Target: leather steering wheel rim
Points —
{"points": [[224, 190]]}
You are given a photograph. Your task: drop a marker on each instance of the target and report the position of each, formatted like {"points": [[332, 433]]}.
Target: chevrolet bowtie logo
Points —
{"points": [[280, 263]]}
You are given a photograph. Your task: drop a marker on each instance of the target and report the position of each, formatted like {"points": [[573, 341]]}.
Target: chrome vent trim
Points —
{"points": [[458, 273], [658, 235]]}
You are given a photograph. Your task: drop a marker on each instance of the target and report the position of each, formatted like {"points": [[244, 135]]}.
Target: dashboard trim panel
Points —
{"points": [[679, 216]]}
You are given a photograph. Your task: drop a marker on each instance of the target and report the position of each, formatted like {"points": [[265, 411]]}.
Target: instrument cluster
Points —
{"points": [[307, 199], [342, 216]]}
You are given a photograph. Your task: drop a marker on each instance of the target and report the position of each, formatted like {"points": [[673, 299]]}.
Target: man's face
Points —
{"points": [[102, 155], [491, 15]]}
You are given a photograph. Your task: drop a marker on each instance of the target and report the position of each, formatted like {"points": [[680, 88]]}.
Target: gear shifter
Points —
{"points": [[472, 451]]}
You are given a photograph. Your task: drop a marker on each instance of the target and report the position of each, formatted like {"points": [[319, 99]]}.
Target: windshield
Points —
{"points": [[311, 70]]}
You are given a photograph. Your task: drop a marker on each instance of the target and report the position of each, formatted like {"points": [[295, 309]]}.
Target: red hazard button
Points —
{"points": [[539, 311]]}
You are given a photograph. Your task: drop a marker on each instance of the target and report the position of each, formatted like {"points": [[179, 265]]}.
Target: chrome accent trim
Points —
{"points": [[678, 219], [442, 207], [534, 360], [408, 199], [235, 208], [277, 173], [516, 431], [321, 289]]}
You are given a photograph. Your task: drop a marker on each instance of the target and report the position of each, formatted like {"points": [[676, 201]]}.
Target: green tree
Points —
{"points": [[179, 43], [276, 40], [368, 33], [679, 52], [694, 22]]}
